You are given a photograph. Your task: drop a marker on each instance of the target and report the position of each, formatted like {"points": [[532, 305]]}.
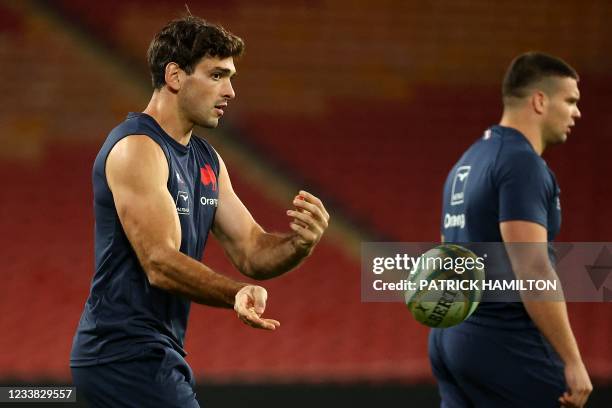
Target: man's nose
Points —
{"points": [[228, 92]]}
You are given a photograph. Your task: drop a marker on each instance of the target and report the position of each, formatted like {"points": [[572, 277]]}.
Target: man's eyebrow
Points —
{"points": [[225, 71]]}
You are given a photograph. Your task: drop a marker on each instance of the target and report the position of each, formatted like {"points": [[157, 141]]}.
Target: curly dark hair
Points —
{"points": [[186, 41], [530, 68]]}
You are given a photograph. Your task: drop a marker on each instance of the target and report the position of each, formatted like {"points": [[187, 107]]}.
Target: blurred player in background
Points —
{"points": [[513, 354], [158, 190]]}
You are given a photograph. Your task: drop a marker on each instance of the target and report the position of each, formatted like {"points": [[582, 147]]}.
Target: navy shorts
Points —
{"points": [[156, 378], [480, 366]]}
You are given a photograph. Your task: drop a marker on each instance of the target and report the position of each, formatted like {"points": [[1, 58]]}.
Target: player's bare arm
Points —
{"points": [[137, 174], [257, 253], [550, 317]]}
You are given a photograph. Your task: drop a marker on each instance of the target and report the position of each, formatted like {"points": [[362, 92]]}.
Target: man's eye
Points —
{"points": [[216, 75]]}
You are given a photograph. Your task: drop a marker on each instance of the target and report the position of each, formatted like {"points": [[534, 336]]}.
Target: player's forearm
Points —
{"points": [[552, 320], [175, 272], [272, 255], [550, 316]]}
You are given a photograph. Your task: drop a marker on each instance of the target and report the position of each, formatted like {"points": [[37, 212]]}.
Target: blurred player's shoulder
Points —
{"points": [[508, 147]]}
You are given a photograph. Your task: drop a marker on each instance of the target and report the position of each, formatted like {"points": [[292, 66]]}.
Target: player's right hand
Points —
{"points": [[579, 384], [250, 303]]}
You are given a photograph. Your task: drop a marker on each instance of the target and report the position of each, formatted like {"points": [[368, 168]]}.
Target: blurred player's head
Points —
{"points": [[547, 87], [194, 60]]}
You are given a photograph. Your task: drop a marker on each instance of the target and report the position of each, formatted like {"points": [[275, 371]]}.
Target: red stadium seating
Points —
{"points": [[326, 332]]}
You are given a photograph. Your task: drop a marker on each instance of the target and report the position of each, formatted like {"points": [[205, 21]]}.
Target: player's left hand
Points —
{"points": [[310, 220], [579, 385]]}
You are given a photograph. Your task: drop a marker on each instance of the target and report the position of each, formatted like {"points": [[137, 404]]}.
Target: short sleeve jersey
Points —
{"points": [[499, 178]]}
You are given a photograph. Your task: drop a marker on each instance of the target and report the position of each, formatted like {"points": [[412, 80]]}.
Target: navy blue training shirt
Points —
{"points": [[499, 178], [123, 312]]}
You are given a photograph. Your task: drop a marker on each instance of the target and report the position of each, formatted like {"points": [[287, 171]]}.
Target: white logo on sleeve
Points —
{"points": [[182, 202], [459, 183]]}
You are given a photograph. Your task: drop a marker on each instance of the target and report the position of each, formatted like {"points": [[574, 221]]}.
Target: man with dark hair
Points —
{"points": [[520, 354], [158, 191]]}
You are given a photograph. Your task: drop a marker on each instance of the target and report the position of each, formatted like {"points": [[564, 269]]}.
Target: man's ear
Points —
{"points": [[539, 101], [173, 76]]}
